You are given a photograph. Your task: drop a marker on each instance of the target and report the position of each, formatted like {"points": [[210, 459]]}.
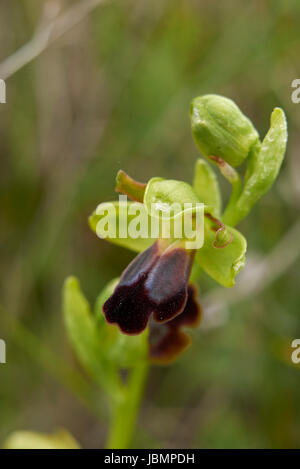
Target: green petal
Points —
{"points": [[222, 264], [122, 216], [126, 185], [168, 191], [206, 187], [263, 167], [174, 204], [34, 440]]}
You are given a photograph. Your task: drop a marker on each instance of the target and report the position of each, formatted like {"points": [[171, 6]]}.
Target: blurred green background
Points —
{"points": [[113, 93]]}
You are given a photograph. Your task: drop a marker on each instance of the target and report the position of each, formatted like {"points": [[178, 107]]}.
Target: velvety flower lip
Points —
{"points": [[167, 341], [155, 282], [166, 284], [128, 306]]}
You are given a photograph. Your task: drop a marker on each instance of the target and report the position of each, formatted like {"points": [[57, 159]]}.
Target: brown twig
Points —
{"points": [[46, 35]]}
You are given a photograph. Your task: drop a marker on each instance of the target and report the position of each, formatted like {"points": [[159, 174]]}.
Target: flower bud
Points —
{"points": [[220, 129]]}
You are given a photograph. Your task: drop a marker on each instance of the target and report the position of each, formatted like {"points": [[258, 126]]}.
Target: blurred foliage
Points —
{"points": [[115, 93], [30, 440]]}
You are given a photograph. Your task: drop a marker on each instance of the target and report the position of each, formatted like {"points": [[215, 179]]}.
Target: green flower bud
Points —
{"points": [[220, 129]]}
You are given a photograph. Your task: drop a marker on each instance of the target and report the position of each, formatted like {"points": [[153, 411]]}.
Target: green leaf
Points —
{"points": [[206, 187], [222, 264], [34, 440], [84, 336], [112, 216], [123, 351], [263, 166]]}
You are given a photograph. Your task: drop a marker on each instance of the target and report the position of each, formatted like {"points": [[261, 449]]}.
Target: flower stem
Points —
{"points": [[125, 412], [233, 177]]}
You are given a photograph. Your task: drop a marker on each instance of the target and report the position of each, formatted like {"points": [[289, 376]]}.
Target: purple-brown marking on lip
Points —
{"points": [[129, 306], [168, 341], [192, 312], [155, 282], [167, 283]]}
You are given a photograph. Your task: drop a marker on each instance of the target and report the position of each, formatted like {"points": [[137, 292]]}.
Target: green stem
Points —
{"points": [[233, 177], [125, 412], [235, 194]]}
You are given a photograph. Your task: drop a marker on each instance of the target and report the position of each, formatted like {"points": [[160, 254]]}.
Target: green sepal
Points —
{"points": [[263, 166], [121, 216], [222, 264], [195, 273]]}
